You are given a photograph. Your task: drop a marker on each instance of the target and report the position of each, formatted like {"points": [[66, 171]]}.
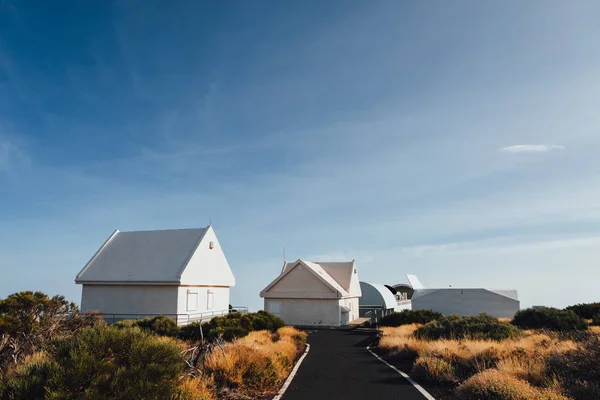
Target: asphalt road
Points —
{"points": [[338, 367]]}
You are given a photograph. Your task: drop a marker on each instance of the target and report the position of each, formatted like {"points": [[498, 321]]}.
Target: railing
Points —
{"points": [[180, 319]]}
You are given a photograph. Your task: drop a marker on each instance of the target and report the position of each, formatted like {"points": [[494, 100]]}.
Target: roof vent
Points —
{"points": [[211, 245]]}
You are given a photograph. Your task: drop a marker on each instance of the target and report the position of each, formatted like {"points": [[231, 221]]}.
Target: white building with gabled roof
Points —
{"points": [[314, 293], [179, 273]]}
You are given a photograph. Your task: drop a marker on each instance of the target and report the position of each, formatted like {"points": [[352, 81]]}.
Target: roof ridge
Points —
{"points": [[167, 230]]}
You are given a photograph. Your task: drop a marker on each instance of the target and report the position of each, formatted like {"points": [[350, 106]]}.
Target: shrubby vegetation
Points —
{"points": [[101, 362], [232, 326], [48, 350], [457, 355], [159, 325], [549, 318], [408, 317], [456, 327], [586, 311], [491, 384], [30, 320]]}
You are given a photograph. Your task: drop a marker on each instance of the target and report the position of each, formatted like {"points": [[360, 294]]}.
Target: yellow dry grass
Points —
{"points": [[493, 384], [595, 329], [257, 362], [521, 359], [200, 388]]}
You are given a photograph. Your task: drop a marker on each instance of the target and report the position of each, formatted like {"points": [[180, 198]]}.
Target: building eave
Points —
{"points": [[145, 283]]}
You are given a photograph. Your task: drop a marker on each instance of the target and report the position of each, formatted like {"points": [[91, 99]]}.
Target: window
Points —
{"points": [[211, 245], [210, 300], [192, 301]]}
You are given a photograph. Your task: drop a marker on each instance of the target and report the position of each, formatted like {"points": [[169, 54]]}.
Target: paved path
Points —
{"points": [[338, 367]]}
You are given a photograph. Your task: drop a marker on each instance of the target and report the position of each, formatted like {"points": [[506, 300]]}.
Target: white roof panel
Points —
{"points": [[143, 256], [414, 282]]}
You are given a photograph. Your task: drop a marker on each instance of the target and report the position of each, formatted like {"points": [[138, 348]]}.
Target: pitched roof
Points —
{"points": [[143, 256], [336, 275], [341, 272]]}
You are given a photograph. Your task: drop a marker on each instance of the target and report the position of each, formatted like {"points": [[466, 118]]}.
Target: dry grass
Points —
{"points": [[257, 363], [493, 384], [517, 368], [434, 370], [197, 389]]}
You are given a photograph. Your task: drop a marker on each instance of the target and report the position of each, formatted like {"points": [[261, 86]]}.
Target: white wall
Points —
{"points": [[466, 302], [220, 299], [352, 304], [302, 284], [315, 312], [129, 299]]}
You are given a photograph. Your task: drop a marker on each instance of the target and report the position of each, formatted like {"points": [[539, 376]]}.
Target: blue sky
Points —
{"points": [[459, 142]]}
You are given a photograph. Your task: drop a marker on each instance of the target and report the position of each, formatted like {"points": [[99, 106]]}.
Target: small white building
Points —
{"points": [[465, 301], [180, 273], [315, 294], [380, 300]]}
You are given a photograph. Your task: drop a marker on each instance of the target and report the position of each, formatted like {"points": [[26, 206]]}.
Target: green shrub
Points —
{"points": [[231, 326], [549, 318], [482, 327], [407, 317], [28, 382], [595, 321], [434, 370], [586, 310], [159, 325], [104, 362]]}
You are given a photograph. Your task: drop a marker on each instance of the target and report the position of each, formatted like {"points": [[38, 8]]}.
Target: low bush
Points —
{"points": [[99, 363], [200, 388], [160, 325], [494, 385], [549, 318], [242, 367], [231, 326], [408, 317], [434, 370], [586, 310], [579, 369], [298, 337], [456, 327]]}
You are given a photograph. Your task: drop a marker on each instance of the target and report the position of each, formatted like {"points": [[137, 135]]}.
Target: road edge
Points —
{"points": [[290, 377], [424, 392]]}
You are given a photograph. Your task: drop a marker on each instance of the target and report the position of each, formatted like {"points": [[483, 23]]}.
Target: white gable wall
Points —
{"points": [[300, 283], [355, 289], [208, 266], [129, 299]]}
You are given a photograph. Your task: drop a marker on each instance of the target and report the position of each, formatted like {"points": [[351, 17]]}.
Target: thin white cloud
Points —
{"points": [[531, 148], [11, 156]]}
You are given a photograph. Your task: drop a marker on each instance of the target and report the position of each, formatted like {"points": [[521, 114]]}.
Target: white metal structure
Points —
{"points": [[316, 294], [466, 301], [182, 273], [379, 299]]}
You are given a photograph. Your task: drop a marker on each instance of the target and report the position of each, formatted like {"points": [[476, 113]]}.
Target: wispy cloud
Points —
{"points": [[531, 148]]}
